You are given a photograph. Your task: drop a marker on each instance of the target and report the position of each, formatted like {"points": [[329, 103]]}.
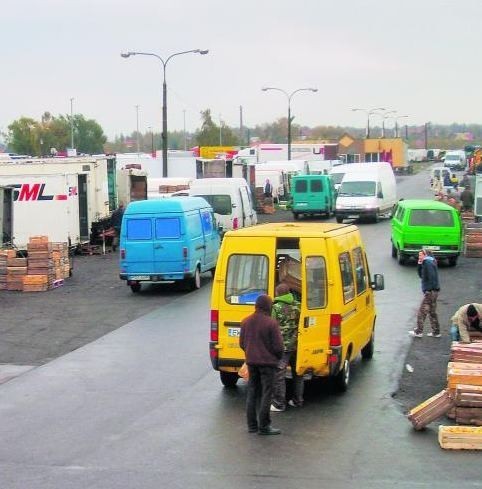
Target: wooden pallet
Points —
{"points": [[460, 437], [430, 410], [89, 249]]}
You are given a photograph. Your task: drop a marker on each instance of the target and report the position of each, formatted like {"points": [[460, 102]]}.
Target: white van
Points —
{"points": [[368, 190], [230, 199]]}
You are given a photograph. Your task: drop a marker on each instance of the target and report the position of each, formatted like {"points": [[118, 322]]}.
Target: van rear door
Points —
{"points": [[137, 238], [168, 244], [314, 327]]}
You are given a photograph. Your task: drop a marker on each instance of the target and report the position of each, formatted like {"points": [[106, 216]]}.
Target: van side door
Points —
{"points": [[248, 211], [211, 239]]}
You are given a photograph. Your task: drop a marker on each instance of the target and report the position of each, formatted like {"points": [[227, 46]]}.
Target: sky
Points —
{"points": [[418, 57]]}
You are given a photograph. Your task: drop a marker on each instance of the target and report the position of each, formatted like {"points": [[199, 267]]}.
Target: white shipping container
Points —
{"points": [[46, 205]]}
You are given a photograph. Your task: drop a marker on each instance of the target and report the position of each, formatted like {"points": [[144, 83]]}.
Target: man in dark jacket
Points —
{"points": [[116, 222], [467, 198], [262, 344], [428, 272]]}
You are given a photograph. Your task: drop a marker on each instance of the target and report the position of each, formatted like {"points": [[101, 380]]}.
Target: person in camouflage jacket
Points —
{"points": [[286, 310]]}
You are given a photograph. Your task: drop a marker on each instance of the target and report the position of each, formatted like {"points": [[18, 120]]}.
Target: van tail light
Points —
{"points": [[123, 253], [184, 252], [214, 325], [235, 223], [335, 330]]}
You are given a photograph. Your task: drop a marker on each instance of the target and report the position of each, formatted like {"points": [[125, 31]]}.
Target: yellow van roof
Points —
{"points": [[293, 230]]}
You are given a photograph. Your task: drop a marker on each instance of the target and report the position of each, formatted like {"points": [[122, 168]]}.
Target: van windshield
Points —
{"points": [[337, 177], [357, 189], [221, 204], [430, 217]]}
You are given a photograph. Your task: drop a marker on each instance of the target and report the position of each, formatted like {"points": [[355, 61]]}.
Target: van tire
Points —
{"points": [[452, 261], [195, 281], [369, 349], [339, 219], [229, 379], [136, 288], [394, 251], [400, 257], [376, 217], [342, 378], [296, 216]]}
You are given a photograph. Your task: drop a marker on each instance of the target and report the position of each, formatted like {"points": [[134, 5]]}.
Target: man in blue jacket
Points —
{"points": [[428, 272], [262, 343]]}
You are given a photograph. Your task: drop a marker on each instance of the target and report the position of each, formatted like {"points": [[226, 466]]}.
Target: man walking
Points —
{"points": [[428, 272], [262, 343]]}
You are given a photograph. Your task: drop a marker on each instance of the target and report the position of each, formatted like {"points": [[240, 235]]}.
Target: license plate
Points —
{"points": [[139, 277], [234, 332], [432, 248]]}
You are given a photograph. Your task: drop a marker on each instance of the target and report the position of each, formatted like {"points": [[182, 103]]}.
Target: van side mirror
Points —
{"points": [[378, 282], [380, 195]]}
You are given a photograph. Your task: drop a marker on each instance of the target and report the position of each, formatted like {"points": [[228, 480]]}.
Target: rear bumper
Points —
{"points": [[154, 277], [412, 252]]}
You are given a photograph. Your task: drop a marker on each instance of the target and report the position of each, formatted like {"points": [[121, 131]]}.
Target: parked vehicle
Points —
{"points": [[478, 198], [430, 224], [312, 194], [368, 190], [231, 200], [455, 160], [325, 265], [168, 240]]}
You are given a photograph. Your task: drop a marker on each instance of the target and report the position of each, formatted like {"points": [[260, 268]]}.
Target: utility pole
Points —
{"points": [[241, 134], [137, 129], [72, 123], [426, 134], [220, 131], [184, 121]]}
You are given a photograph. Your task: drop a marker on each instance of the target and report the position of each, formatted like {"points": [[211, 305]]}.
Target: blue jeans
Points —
{"points": [[454, 333]]}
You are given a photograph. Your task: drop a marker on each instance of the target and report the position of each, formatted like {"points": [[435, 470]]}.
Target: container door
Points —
{"points": [[314, 328], [83, 208]]}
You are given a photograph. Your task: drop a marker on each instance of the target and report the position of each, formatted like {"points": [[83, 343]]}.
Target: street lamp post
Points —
{"points": [[137, 129], [164, 95], [396, 123], [369, 112], [72, 123], [289, 96]]}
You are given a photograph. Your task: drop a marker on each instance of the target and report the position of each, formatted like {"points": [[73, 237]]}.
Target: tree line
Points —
{"points": [[53, 135]]}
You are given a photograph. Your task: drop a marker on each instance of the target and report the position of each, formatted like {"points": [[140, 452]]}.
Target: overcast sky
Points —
{"points": [[420, 57]]}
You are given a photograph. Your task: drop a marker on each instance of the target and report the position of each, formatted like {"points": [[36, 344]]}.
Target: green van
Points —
{"points": [[312, 194], [430, 224]]}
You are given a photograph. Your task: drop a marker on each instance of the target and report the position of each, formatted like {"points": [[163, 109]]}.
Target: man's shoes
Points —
{"points": [[415, 335], [252, 429], [275, 409], [434, 335], [292, 403], [269, 431]]}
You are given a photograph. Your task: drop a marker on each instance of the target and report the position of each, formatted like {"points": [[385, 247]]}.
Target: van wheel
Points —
{"points": [[195, 282], [342, 379], [229, 379], [296, 215], [394, 251], [400, 257], [369, 349], [376, 217], [452, 261], [339, 219], [136, 288]]}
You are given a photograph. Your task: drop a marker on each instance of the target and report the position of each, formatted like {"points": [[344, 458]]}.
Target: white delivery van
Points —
{"points": [[230, 199], [368, 190], [455, 160], [338, 172]]}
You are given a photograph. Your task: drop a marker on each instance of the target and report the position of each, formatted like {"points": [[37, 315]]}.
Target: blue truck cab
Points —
{"points": [[168, 240]]}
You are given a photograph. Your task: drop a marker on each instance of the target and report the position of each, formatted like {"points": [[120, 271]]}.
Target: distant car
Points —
{"points": [[430, 224], [455, 160]]}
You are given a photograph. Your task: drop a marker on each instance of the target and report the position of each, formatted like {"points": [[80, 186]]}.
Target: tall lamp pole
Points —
{"points": [[137, 129], [369, 112], [396, 124], [72, 122], [164, 95], [289, 96]]}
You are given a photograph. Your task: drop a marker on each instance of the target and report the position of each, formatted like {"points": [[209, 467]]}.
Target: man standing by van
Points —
{"points": [[262, 343], [116, 222], [428, 272], [286, 310]]}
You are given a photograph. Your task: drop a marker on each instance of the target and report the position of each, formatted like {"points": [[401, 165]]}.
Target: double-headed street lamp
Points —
{"points": [[164, 95], [369, 112], [289, 97], [386, 115], [396, 123]]}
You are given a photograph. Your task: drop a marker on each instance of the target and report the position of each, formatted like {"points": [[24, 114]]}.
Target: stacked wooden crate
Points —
{"points": [[16, 270], [460, 437], [473, 240], [4, 255], [60, 258]]}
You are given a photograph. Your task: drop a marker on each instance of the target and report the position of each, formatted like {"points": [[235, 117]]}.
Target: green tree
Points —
{"points": [[23, 136], [211, 134]]}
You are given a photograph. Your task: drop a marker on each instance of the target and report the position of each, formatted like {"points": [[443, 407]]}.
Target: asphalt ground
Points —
{"points": [[38, 327]]}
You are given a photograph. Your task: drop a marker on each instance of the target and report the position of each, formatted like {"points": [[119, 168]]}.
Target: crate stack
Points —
{"points": [[16, 271], [4, 256], [473, 240], [60, 258], [40, 265]]}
